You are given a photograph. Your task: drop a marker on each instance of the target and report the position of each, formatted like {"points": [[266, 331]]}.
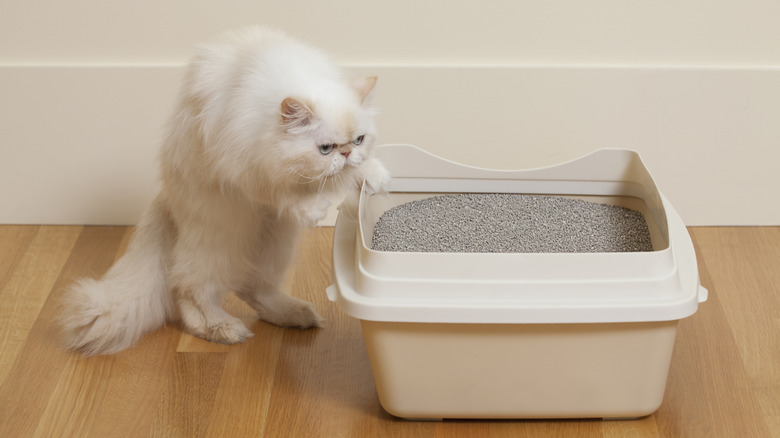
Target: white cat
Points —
{"points": [[266, 133]]}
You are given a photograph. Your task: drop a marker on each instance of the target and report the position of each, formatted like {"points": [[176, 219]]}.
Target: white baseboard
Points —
{"points": [[78, 144]]}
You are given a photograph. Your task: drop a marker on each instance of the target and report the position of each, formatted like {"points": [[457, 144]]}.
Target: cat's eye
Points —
{"points": [[358, 141], [326, 149]]}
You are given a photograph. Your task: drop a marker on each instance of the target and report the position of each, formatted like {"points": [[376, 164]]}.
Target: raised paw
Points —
{"points": [[376, 176]]}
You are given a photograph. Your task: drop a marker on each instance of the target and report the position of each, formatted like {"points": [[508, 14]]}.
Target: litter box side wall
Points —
{"points": [[606, 172], [434, 371]]}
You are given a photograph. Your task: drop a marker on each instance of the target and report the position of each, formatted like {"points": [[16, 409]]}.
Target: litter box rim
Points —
{"points": [[669, 291]]}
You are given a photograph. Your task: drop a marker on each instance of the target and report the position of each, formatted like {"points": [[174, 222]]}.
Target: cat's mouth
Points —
{"points": [[345, 165]]}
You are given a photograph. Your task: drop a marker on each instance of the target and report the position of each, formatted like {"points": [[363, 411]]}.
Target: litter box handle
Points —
{"points": [[703, 294], [333, 292]]}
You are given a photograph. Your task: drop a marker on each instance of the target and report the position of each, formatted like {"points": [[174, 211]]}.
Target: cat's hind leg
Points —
{"points": [[201, 279], [278, 308], [202, 314], [264, 291]]}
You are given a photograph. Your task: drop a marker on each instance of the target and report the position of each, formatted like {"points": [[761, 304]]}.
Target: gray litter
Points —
{"points": [[510, 223]]}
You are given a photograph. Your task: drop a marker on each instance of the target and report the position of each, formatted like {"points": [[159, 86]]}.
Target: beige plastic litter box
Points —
{"points": [[520, 335]]}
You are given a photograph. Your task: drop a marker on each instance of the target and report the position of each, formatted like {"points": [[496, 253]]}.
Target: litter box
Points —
{"points": [[518, 335]]}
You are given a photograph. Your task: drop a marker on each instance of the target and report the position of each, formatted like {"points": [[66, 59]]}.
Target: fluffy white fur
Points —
{"points": [[266, 133]]}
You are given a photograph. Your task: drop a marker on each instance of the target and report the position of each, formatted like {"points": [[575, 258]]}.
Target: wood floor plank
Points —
{"points": [[325, 372], [312, 360], [744, 263], [774, 425], [36, 371], [449, 428], [243, 397], [137, 379], [629, 428], [187, 401], [14, 240], [709, 391], [29, 285], [80, 390], [111, 395], [723, 379]]}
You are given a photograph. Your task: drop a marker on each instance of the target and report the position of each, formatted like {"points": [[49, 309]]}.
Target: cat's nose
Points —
{"points": [[346, 154]]}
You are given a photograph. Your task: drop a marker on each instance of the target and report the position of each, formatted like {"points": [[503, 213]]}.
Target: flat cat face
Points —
{"points": [[322, 139]]}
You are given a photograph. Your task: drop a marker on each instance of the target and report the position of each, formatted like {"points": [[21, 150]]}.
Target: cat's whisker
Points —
{"points": [[339, 183], [309, 179], [321, 187]]}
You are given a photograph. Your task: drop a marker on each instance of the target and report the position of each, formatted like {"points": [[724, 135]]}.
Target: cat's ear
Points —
{"points": [[365, 88], [296, 115]]}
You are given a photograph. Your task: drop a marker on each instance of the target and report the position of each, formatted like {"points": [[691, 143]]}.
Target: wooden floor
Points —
{"points": [[724, 378]]}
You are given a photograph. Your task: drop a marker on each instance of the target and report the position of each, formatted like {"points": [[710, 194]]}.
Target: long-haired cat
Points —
{"points": [[267, 131]]}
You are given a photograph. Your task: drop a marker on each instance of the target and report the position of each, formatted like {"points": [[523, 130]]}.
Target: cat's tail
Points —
{"points": [[110, 314]]}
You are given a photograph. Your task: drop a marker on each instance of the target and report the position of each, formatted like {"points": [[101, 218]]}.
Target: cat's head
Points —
{"points": [[283, 130], [321, 138]]}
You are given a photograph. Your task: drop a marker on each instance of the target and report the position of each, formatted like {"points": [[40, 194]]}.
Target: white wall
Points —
{"points": [[85, 87]]}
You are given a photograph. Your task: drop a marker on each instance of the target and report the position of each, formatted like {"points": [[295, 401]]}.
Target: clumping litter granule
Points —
{"points": [[510, 223]]}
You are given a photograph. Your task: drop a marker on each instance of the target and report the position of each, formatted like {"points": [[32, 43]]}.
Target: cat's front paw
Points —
{"points": [[377, 178]]}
